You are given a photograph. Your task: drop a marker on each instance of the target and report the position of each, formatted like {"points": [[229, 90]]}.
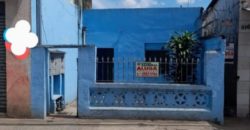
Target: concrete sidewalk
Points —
{"points": [[108, 124]]}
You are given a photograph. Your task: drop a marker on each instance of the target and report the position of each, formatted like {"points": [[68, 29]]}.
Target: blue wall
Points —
{"points": [[39, 82], [59, 22], [127, 30], [59, 26], [70, 74], [131, 31]]}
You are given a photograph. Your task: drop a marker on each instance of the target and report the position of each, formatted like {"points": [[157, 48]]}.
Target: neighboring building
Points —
{"points": [[56, 23], [229, 18], [15, 74], [243, 86]]}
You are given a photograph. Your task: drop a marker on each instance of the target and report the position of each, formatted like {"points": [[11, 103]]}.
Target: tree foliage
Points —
{"points": [[182, 49], [183, 46]]}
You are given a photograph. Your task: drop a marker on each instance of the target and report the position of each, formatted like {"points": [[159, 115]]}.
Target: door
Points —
{"points": [[230, 89], [2, 61]]}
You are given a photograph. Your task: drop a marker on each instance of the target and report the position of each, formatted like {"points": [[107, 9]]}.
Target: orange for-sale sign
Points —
{"points": [[147, 69]]}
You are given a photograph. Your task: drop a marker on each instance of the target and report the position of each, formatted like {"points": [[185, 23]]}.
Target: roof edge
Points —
{"points": [[213, 2]]}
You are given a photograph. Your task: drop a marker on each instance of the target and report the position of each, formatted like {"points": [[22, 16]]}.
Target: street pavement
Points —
{"points": [[66, 120], [70, 123]]}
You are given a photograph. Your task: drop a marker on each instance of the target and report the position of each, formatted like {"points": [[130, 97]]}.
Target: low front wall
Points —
{"points": [[151, 96], [152, 101], [148, 101]]}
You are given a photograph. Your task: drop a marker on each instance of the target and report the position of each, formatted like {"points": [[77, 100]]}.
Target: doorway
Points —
{"points": [[62, 90], [230, 102]]}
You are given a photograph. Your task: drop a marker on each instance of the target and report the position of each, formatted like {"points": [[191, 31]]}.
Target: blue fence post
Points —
{"points": [[86, 77], [214, 61], [39, 82]]}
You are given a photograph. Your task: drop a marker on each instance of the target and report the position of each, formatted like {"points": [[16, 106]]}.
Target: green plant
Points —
{"points": [[182, 49]]}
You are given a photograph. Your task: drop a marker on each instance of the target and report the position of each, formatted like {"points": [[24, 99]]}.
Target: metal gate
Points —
{"points": [[2, 61]]}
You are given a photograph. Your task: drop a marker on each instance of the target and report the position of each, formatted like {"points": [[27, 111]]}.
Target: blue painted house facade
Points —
{"points": [[134, 33], [131, 32], [127, 34]]}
